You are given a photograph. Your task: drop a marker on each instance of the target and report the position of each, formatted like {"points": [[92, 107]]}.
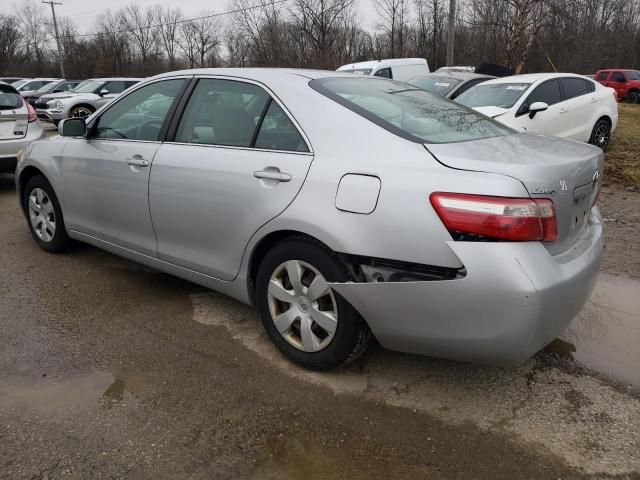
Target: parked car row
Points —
{"points": [[557, 104], [342, 206]]}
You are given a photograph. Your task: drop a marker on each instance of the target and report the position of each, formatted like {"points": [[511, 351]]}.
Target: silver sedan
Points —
{"points": [[342, 207]]}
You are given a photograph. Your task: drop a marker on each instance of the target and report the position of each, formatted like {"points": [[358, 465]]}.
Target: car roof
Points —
{"points": [[262, 74], [458, 75], [532, 77], [114, 79]]}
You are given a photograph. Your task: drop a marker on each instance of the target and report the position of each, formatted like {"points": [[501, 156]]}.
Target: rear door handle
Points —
{"points": [[271, 173], [137, 161]]}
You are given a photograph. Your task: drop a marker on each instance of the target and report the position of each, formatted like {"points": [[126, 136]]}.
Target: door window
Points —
{"points": [[114, 87], [547, 92], [140, 114], [384, 73], [602, 76], [618, 77], [277, 132], [574, 87], [222, 112]]}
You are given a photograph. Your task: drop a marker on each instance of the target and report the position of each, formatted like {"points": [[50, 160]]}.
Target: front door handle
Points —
{"points": [[137, 161], [272, 173]]}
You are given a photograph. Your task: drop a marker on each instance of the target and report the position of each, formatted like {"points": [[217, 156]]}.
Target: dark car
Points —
{"points": [[54, 87], [448, 84]]}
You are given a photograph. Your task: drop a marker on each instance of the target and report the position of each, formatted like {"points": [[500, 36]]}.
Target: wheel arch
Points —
{"points": [[27, 174], [263, 246]]}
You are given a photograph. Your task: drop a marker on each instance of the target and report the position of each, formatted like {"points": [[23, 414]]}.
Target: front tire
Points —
{"points": [[309, 323], [601, 134], [81, 111], [44, 216]]}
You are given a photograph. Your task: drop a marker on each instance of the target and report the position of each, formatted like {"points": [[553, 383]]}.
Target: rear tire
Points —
{"points": [[633, 97], [601, 134], [44, 216], [290, 303]]}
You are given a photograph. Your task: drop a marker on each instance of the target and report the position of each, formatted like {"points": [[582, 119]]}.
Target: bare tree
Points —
{"points": [[34, 29], [140, 25], [168, 30], [10, 39], [393, 22]]}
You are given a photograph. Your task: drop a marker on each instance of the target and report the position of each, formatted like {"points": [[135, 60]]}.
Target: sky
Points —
{"points": [[83, 12]]}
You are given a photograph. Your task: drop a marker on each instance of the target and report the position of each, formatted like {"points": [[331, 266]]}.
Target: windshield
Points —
{"points": [[47, 88], [411, 113], [80, 85], [440, 85], [89, 86], [19, 83], [9, 99], [503, 95], [633, 75]]}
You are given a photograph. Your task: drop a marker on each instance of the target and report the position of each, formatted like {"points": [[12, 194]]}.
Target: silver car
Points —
{"points": [[448, 84], [342, 207], [18, 127]]}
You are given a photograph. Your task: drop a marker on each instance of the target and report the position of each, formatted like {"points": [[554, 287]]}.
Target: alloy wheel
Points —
{"points": [[42, 215], [302, 306], [80, 112], [602, 135]]}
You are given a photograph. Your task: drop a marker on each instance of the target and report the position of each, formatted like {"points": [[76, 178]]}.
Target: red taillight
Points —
{"points": [[500, 218], [32, 116]]}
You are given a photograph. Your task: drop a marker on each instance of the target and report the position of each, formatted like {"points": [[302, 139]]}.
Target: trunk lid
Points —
{"points": [[564, 171], [13, 114]]}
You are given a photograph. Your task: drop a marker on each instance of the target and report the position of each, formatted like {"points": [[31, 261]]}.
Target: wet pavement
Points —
{"points": [[112, 370]]}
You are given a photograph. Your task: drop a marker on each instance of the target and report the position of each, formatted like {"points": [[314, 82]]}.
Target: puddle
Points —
{"points": [[69, 394], [606, 335]]}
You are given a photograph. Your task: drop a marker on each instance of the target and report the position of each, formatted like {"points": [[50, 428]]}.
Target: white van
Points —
{"points": [[397, 68]]}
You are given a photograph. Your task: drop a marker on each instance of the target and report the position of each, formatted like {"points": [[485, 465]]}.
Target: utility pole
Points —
{"points": [[55, 27], [451, 32]]}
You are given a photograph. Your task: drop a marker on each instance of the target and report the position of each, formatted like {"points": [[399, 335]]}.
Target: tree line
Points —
{"points": [[526, 35]]}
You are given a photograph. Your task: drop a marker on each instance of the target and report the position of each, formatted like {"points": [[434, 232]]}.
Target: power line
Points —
{"points": [[186, 20]]}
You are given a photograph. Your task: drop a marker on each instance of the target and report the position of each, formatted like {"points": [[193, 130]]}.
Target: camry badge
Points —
{"points": [[563, 185]]}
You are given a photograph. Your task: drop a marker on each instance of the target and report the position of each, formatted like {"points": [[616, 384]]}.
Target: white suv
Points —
{"points": [[401, 69], [558, 104]]}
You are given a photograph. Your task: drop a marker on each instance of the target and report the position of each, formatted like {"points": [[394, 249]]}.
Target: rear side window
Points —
{"points": [[574, 87], [277, 132], [222, 112], [409, 112], [9, 98], [384, 73], [602, 76]]}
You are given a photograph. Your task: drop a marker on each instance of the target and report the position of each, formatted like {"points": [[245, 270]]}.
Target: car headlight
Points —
{"points": [[58, 105]]}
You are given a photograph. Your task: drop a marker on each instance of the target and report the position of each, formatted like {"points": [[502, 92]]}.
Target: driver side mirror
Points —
{"points": [[104, 92], [73, 127], [536, 107]]}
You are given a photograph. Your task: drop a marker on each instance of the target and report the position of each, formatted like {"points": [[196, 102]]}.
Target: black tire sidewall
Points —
{"points": [[633, 97], [350, 324], [60, 241]]}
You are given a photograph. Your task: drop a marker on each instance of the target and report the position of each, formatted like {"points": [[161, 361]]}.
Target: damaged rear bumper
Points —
{"points": [[514, 300]]}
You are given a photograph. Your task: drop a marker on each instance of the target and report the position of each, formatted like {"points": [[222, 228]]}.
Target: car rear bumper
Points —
{"points": [[9, 148], [514, 300]]}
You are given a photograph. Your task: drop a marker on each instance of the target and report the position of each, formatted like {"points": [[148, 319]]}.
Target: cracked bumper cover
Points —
{"points": [[514, 300]]}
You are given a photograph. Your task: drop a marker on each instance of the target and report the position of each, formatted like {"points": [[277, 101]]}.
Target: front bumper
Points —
{"points": [[51, 115], [514, 300]]}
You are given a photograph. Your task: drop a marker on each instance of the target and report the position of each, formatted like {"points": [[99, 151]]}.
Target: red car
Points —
{"points": [[626, 83]]}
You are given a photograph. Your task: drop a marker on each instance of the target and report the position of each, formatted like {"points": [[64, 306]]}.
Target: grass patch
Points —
{"points": [[622, 159]]}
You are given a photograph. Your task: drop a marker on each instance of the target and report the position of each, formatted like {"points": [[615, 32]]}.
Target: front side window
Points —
{"points": [[222, 112], [139, 115], [384, 73], [503, 95], [574, 87], [618, 77], [117, 86], [409, 112], [548, 92], [440, 85]]}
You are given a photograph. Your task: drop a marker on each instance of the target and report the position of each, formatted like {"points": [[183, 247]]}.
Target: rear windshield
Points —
{"points": [[409, 112], [503, 95], [440, 85], [9, 98]]}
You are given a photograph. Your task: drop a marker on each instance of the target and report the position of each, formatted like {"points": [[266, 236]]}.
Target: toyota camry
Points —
{"points": [[343, 207]]}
